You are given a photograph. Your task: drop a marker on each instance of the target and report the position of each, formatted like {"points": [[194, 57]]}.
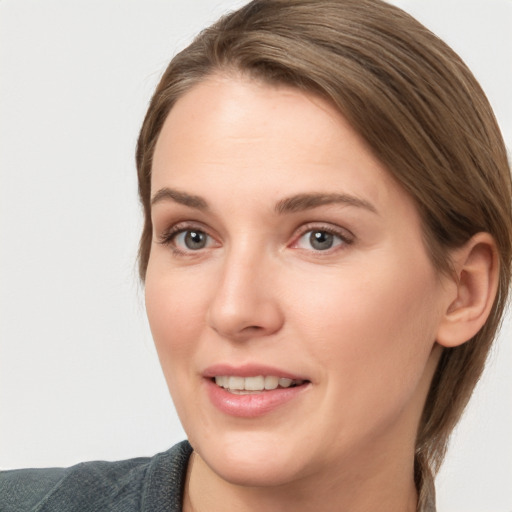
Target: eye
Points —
{"points": [[186, 239], [320, 240], [191, 240]]}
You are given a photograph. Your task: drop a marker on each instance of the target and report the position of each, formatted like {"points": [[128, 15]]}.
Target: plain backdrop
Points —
{"points": [[79, 377]]}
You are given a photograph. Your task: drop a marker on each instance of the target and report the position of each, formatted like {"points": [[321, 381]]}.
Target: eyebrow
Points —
{"points": [[166, 194], [296, 203], [302, 202]]}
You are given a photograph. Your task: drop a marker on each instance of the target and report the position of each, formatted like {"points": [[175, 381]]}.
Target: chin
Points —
{"points": [[252, 459]]}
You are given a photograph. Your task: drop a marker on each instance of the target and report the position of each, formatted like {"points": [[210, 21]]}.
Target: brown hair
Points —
{"points": [[420, 110]]}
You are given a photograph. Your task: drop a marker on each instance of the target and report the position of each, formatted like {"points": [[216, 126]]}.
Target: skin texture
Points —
{"points": [[359, 320]]}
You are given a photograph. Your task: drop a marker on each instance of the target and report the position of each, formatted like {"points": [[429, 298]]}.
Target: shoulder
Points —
{"points": [[145, 483], [22, 489], [87, 486]]}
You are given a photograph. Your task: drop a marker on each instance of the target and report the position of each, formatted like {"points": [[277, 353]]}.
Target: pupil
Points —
{"points": [[195, 240], [321, 240]]}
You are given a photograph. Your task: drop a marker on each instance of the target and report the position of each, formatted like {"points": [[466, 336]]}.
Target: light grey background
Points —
{"points": [[79, 377]]}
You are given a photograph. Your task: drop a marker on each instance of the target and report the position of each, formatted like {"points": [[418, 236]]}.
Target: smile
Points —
{"points": [[250, 385]]}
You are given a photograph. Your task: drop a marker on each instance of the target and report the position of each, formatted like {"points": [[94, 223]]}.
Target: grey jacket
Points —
{"points": [[146, 484]]}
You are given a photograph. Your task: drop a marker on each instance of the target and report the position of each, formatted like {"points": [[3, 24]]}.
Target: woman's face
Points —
{"points": [[285, 255]]}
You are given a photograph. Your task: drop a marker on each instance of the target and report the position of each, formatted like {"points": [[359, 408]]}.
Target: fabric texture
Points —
{"points": [[146, 484]]}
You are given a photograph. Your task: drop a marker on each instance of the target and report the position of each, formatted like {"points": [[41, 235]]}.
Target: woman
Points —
{"points": [[326, 254]]}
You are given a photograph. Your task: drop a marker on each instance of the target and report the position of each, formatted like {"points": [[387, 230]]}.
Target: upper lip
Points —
{"points": [[249, 370]]}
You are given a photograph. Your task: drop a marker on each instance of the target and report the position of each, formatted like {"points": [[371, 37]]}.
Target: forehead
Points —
{"points": [[265, 140]]}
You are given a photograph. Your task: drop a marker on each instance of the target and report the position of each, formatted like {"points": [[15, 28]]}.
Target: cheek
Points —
{"points": [[372, 331], [176, 305]]}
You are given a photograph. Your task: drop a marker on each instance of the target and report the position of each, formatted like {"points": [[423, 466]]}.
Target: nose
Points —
{"points": [[245, 304]]}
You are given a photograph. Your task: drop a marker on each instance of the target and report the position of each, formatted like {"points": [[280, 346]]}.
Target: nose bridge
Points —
{"points": [[244, 303]]}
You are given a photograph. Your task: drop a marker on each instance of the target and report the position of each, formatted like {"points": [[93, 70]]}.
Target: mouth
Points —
{"points": [[253, 390], [254, 385]]}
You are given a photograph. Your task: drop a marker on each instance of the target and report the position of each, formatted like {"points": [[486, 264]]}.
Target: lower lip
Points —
{"points": [[252, 405]]}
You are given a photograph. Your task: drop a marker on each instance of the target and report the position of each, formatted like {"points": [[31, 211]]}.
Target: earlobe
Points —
{"points": [[476, 268]]}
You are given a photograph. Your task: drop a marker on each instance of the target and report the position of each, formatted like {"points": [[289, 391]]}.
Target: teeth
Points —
{"points": [[271, 382], [236, 383], [240, 385], [284, 382], [222, 381], [254, 383]]}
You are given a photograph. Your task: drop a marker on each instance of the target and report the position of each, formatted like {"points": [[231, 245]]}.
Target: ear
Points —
{"points": [[474, 285]]}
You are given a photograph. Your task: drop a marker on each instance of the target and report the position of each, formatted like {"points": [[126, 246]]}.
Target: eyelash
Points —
{"points": [[168, 237]]}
